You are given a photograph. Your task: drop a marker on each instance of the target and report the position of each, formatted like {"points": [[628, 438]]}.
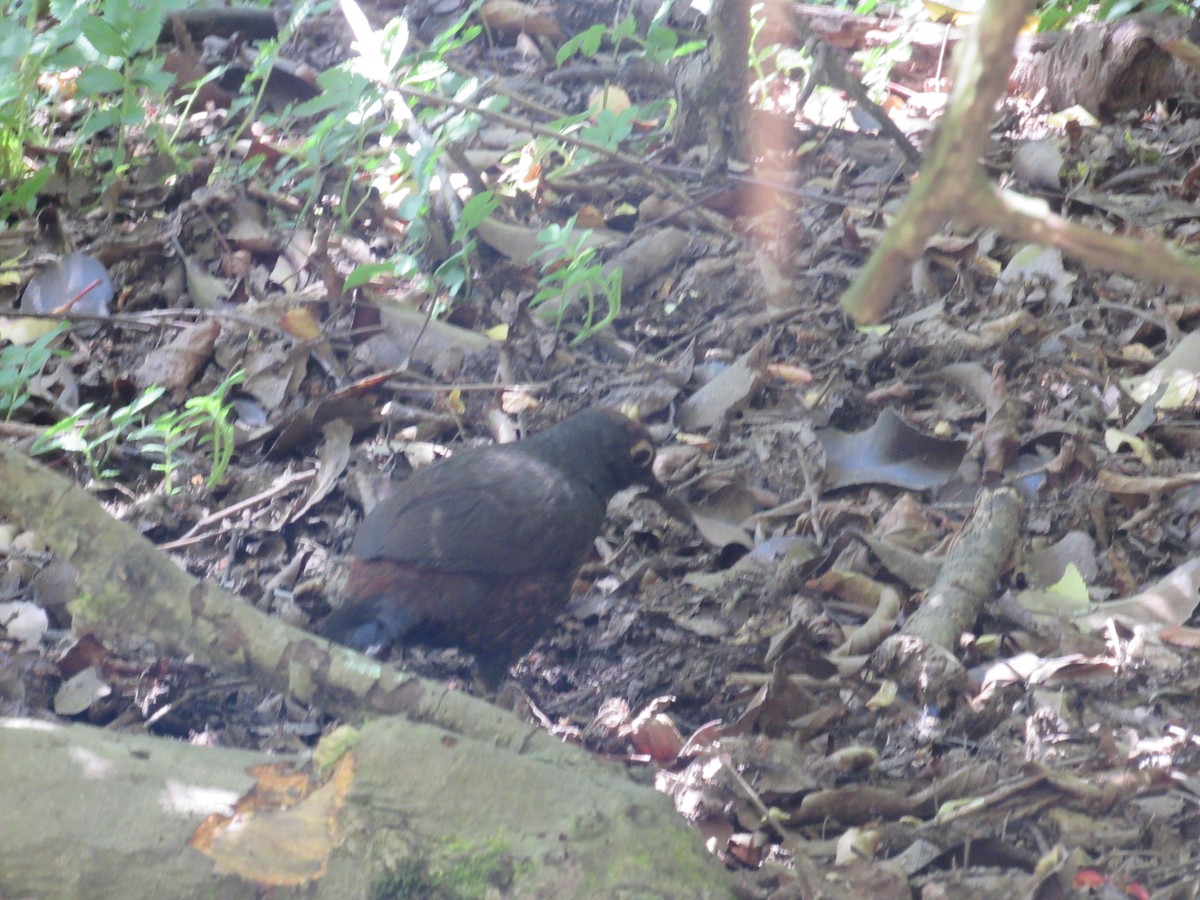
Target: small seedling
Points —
{"points": [[570, 273], [204, 423], [95, 433], [20, 364]]}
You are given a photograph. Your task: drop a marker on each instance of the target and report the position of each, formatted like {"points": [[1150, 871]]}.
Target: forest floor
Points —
{"points": [[826, 469]]}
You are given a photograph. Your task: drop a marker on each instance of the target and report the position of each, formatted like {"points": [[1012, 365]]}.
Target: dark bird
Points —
{"points": [[480, 550]]}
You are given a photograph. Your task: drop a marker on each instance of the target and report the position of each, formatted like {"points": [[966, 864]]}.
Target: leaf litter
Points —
{"points": [[757, 647]]}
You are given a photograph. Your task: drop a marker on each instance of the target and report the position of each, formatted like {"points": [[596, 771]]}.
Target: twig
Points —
{"points": [[220, 515], [633, 162]]}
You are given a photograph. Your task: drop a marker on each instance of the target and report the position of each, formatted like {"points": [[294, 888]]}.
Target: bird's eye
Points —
{"points": [[642, 454]]}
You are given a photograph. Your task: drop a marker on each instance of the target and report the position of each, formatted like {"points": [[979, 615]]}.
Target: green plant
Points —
{"points": [[391, 145], [660, 45], [165, 436], [877, 64], [454, 273], [99, 54], [610, 127], [785, 61], [359, 106], [204, 423], [570, 273], [116, 72], [1055, 14], [25, 54], [19, 364], [863, 8], [463, 873], [390, 115], [94, 433]]}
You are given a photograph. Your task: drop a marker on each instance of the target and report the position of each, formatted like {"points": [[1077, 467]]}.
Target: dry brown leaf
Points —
{"points": [[510, 18], [281, 832], [301, 323], [177, 365]]}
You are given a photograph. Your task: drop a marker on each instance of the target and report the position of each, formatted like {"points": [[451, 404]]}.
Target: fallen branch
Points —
{"points": [[922, 655], [115, 813]]}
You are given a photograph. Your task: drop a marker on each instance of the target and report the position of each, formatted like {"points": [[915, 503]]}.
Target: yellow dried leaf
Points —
{"points": [[25, 331], [282, 832], [300, 323], [612, 98]]}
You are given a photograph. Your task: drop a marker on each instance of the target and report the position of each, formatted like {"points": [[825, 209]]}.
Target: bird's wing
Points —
{"points": [[511, 515]]}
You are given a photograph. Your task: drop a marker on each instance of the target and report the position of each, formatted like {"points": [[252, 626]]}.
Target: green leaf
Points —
{"points": [[25, 195], [661, 40], [69, 57], [16, 402], [142, 31], [104, 37], [402, 266], [99, 80], [454, 277], [476, 210], [586, 43], [452, 38], [611, 128], [1114, 9], [427, 71], [395, 43], [362, 274], [624, 29], [154, 78], [15, 42]]}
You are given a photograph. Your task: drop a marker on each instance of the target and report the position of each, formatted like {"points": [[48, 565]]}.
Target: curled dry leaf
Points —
{"points": [[1170, 601], [77, 283], [510, 18], [889, 452], [1179, 372], [1076, 548], [656, 736]]}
